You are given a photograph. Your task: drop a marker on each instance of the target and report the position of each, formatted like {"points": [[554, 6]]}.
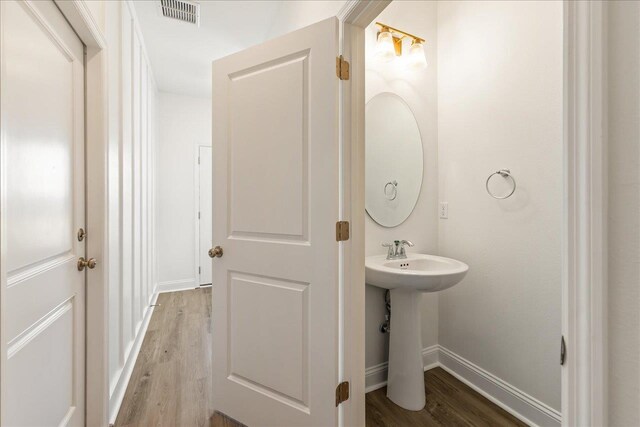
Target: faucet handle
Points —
{"points": [[391, 252], [406, 242]]}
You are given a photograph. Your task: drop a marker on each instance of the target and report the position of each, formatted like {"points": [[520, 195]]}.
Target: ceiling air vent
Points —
{"points": [[182, 10]]}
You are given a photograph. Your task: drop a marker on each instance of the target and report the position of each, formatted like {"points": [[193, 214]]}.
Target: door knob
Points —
{"points": [[215, 252], [82, 263]]}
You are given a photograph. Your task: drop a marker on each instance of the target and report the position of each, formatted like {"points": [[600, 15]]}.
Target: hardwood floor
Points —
{"points": [[449, 403], [171, 381], [221, 420]]}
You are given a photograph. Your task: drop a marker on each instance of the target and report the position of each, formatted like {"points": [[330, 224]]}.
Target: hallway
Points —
{"points": [[171, 381]]}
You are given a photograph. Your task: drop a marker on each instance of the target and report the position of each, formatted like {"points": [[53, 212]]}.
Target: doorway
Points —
{"points": [[442, 188], [583, 287]]}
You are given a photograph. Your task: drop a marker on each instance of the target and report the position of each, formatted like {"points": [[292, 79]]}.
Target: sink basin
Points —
{"points": [[407, 279], [425, 273]]}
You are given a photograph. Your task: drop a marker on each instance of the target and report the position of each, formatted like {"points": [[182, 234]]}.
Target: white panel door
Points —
{"points": [[43, 294], [275, 206], [204, 208]]}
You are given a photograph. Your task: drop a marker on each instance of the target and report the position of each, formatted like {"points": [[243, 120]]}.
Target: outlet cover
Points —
{"points": [[444, 210]]}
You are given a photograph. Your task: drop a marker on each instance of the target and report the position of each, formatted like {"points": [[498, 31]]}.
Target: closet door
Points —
{"points": [[42, 208]]}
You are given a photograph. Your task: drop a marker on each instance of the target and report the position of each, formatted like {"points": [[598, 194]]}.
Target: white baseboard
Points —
{"points": [[124, 375], [376, 376], [176, 285], [511, 399], [430, 357]]}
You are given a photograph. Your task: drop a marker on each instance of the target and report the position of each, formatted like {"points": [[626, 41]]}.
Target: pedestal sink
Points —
{"points": [[407, 278]]}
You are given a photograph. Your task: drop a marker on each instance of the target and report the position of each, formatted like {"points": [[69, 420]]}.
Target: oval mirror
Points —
{"points": [[394, 160]]}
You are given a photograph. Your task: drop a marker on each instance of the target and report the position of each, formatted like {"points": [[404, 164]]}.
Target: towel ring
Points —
{"points": [[505, 173], [394, 190]]}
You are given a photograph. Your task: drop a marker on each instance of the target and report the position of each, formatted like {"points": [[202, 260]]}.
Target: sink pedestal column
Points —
{"points": [[405, 384]]}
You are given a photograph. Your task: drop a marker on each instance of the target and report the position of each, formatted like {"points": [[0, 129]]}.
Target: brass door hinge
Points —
{"points": [[342, 231], [342, 68], [342, 392]]}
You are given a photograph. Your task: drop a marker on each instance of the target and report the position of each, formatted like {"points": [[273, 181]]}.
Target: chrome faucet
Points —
{"points": [[396, 250]]}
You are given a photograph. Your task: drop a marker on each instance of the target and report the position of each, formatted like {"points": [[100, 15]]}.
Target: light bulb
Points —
{"points": [[417, 57], [384, 47]]}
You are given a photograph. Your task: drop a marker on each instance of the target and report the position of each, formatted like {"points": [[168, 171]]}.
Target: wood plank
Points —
{"points": [[221, 420], [450, 402], [171, 381]]}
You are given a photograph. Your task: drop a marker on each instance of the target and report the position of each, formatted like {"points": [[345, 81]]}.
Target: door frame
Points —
{"points": [[354, 17], [196, 210], [584, 285], [584, 243], [96, 157]]}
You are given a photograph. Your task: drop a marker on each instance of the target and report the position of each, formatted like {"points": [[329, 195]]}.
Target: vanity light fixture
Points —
{"points": [[417, 56], [389, 45], [385, 47]]}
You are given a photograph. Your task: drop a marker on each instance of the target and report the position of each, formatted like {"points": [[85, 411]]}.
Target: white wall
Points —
{"points": [[131, 128], [184, 123], [624, 207], [500, 70], [419, 90], [296, 14]]}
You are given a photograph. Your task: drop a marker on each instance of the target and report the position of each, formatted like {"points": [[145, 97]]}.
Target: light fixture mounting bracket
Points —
{"points": [[398, 33]]}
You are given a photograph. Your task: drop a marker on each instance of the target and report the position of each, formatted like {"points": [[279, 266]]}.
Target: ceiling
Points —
{"points": [[181, 53]]}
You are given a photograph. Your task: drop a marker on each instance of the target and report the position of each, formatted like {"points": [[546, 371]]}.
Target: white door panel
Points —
{"points": [[275, 206], [204, 196], [276, 194], [42, 105]]}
